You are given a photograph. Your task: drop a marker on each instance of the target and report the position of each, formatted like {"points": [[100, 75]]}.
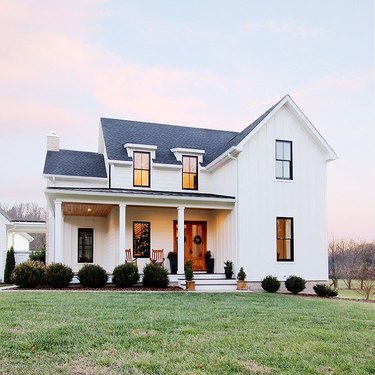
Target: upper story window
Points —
{"points": [[190, 172], [284, 233], [284, 160], [141, 169]]}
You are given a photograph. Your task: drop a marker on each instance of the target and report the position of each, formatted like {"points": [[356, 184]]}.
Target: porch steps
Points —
{"points": [[211, 283]]}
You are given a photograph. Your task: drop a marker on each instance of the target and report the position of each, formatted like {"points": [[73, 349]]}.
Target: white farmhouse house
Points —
{"points": [[15, 233], [256, 197]]}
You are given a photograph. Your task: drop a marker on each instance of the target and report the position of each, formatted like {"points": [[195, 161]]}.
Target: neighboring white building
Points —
{"points": [[257, 197], [15, 233]]}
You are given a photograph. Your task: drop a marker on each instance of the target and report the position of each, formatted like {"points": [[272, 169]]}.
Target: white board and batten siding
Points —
{"points": [[262, 198]]}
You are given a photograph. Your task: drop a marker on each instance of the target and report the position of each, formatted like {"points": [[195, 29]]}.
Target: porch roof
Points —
{"points": [[140, 197]]}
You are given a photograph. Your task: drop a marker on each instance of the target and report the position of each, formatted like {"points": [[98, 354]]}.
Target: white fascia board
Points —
{"points": [[179, 152], [130, 196], [67, 177], [224, 157], [140, 146], [166, 166], [120, 162], [28, 227]]}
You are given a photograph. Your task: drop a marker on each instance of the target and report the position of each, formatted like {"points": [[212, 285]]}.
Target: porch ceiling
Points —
{"points": [[85, 209]]}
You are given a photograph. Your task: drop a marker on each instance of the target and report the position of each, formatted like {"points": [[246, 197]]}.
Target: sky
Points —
{"points": [[213, 64]]}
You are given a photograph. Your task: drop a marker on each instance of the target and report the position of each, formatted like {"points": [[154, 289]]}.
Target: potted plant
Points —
{"points": [[210, 262], [172, 256], [228, 269], [189, 276], [241, 283]]}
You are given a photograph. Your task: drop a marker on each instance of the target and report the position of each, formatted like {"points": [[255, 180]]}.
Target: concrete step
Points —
{"points": [[211, 284]]}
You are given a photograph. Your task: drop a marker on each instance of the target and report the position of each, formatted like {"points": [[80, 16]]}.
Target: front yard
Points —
{"points": [[182, 333]]}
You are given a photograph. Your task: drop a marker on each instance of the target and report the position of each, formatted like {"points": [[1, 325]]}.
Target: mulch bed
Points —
{"points": [[107, 288]]}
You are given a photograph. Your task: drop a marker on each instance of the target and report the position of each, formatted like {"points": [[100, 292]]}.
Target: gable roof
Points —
{"points": [[75, 163], [3, 213]]}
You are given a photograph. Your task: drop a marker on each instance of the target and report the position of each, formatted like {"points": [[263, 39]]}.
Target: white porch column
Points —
{"points": [[122, 232], [180, 243], [58, 233]]}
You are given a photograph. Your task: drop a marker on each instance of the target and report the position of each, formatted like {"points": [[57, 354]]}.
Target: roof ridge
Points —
{"points": [[172, 125]]}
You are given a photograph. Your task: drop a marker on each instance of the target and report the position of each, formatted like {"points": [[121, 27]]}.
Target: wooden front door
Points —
{"points": [[195, 243]]}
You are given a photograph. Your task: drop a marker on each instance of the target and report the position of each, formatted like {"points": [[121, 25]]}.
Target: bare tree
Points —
{"points": [[28, 212], [367, 282]]}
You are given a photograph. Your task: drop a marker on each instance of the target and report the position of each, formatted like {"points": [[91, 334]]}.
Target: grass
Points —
{"points": [[353, 293], [183, 333]]}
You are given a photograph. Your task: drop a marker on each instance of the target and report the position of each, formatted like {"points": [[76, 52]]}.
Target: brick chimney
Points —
{"points": [[53, 141]]}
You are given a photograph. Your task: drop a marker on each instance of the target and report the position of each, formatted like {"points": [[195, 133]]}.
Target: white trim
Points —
{"points": [[121, 162], [166, 166], [140, 146], [67, 177], [224, 157], [180, 152]]}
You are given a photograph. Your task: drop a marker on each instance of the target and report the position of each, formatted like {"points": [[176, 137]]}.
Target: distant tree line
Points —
{"points": [[352, 260], [31, 212]]}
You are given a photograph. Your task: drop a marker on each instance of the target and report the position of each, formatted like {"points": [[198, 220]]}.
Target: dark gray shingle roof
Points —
{"points": [[119, 132], [2, 212], [75, 163]]}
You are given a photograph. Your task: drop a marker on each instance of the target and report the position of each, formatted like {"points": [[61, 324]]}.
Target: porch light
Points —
{"points": [[89, 209]]}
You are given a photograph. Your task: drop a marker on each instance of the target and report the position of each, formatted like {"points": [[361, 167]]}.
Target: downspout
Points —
{"points": [[236, 220]]}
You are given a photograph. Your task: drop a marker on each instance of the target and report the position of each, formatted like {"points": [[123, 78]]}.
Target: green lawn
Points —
{"points": [[183, 333]]}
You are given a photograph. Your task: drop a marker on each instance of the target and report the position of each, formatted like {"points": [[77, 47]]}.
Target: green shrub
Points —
{"points": [[28, 274], [10, 264], [241, 275], [125, 275], [92, 276], [189, 275], [270, 284], [58, 275], [39, 255], [155, 275], [295, 284], [323, 290]]}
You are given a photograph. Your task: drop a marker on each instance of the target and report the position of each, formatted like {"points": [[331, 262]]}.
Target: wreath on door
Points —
{"points": [[197, 240]]}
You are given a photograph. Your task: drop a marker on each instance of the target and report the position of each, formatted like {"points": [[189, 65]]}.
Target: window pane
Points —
{"points": [[286, 169], [287, 151], [280, 228], [145, 181], [287, 250], [145, 161], [288, 228], [185, 164], [138, 177], [137, 160], [185, 181], [193, 165], [279, 150], [279, 169], [192, 181], [280, 249]]}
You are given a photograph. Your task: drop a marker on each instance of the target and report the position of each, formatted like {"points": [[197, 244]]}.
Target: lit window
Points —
{"points": [[190, 172], [284, 167], [141, 165], [141, 239], [85, 245], [284, 230]]}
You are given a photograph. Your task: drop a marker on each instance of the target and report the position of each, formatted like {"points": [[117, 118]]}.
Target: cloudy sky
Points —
{"points": [[216, 64]]}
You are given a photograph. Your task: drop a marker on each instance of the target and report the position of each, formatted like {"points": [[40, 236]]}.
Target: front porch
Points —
{"points": [[99, 230]]}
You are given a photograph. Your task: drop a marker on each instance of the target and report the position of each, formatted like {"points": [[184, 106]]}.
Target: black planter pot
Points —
{"points": [[210, 263], [173, 264], [228, 275]]}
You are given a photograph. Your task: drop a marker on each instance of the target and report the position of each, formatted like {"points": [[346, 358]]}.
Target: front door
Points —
{"points": [[195, 243]]}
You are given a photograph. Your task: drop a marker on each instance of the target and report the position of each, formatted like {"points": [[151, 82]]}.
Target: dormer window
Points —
{"points": [[141, 169], [190, 172]]}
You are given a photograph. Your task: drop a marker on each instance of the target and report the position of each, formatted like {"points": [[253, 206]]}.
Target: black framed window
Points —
{"points": [[190, 172], [141, 239], [284, 233], [85, 245], [284, 160], [141, 169]]}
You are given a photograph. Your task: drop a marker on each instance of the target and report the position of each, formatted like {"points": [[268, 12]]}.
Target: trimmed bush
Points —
{"points": [[295, 284], [39, 255], [241, 275], [155, 275], [10, 264], [270, 284], [58, 275], [125, 275], [28, 274], [323, 290], [189, 275], [92, 276]]}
